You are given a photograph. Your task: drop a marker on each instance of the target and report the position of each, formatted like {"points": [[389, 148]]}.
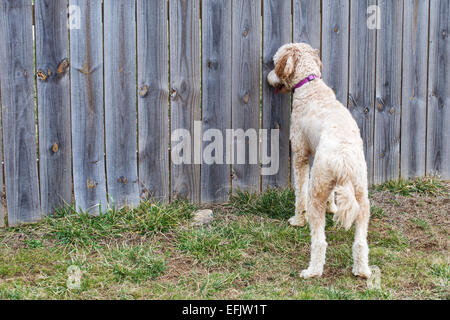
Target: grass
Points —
{"points": [[425, 186], [248, 252], [135, 263], [71, 227], [377, 212], [274, 204], [422, 224]]}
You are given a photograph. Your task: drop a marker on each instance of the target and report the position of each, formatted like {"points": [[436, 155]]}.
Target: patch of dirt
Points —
{"points": [[18, 240], [424, 220], [178, 266]]}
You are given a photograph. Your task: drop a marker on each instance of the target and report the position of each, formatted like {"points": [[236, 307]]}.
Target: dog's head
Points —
{"points": [[293, 63]]}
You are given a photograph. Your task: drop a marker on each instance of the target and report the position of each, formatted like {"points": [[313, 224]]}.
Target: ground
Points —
{"points": [[248, 252]]}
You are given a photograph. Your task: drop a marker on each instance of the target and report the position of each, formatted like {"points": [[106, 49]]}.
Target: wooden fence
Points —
{"points": [[111, 81]]}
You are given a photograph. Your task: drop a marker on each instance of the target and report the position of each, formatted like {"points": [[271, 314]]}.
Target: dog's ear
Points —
{"points": [[285, 66], [317, 58]]}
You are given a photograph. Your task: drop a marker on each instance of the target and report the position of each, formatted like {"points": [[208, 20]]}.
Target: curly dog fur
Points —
{"points": [[323, 128]]}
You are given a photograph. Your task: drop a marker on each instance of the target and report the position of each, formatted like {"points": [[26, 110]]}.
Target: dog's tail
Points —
{"points": [[347, 206]]}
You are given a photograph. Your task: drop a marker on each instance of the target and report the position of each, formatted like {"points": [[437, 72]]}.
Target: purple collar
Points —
{"points": [[305, 81]]}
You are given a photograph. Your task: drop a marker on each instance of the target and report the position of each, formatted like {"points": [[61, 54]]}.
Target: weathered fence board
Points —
{"points": [[414, 88], [362, 75], [185, 96], [2, 194], [306, 22], [307, 27], [438, 137], [276, 108], [153, 103], [216, 97], [120, 102], [388, 92], [17, 87], [86, 79], [335, 35], [246, 32], [53, 96]]}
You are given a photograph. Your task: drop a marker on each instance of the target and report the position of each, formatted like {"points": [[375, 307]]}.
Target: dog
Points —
{"points": [[321, 127]]}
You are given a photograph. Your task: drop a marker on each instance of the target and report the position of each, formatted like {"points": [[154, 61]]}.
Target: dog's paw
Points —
{"points": [[310, 273], [363, 272], [297, 221]]}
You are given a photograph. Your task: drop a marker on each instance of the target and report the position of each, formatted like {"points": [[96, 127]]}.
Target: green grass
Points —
{"points": [[441, 270], [276, 204], [248, 252], [422, 224], [135, 263], [425, 186], [33, 243], [71, 227], [213, 246], [377, 212]]}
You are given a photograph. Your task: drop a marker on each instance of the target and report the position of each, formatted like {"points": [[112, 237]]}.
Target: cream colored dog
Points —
{"points": [[323, 128]]}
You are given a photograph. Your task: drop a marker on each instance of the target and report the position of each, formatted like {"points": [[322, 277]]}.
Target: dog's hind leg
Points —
{"points": [[301, 176], [320, 189], [360, 247]]}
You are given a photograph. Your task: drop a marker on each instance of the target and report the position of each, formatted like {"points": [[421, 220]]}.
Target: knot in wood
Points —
{"points": [[63, 66], [143, 91], [123, 180], [245, 97], [213, 64], [55, 148], [42, 76], [380, 104], [91, 184], [173, 94]]}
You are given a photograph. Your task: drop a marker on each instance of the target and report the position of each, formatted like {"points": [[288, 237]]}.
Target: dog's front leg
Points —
{"points": [[301, 177]]}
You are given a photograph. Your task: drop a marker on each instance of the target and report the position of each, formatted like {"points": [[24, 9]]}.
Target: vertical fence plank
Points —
{"points": [[277, 29], [86, 80], [414, 89], [153, 104], [362, 75], [2, 194], [307, 27], [335, 36], [306, 22], [438, 136], [120, 102], [16, 78], [52, 62], [216, 97], [246, 33], [388, 92], [185, 93]]}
